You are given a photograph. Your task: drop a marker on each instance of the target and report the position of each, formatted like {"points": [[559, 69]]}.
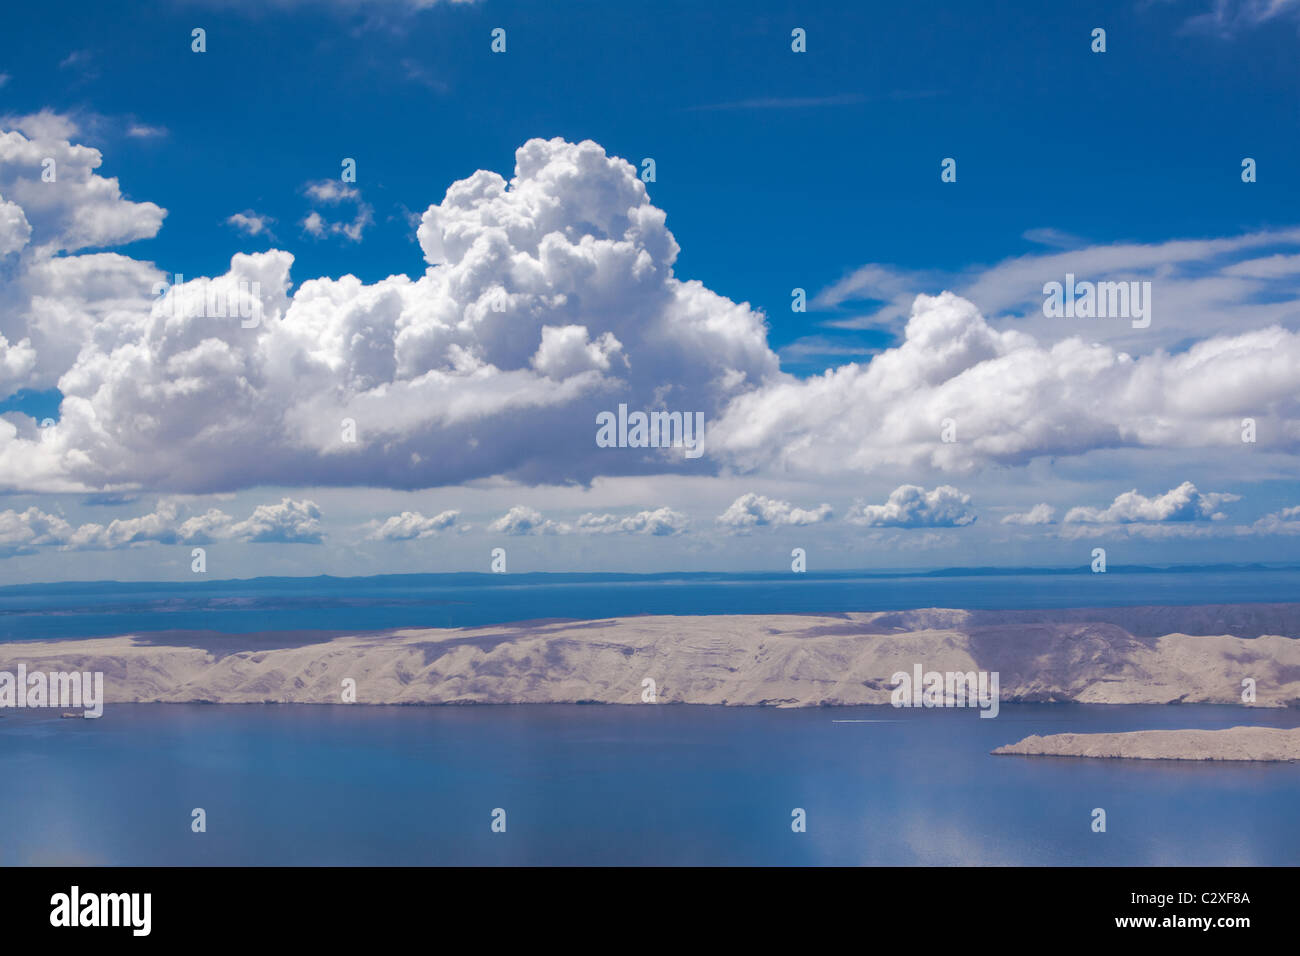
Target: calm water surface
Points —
{"points": [[624, 785]]}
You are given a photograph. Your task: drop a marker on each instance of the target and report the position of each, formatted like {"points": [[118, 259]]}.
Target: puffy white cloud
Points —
{"points": [[250, 223], [911, 506], [567, 350], [213, 525], [289, 521], [411, 525], [55, 301], [1283, 522], [444, 388], [1012, 400], [1184, 503], [159, 526], [522, 520], [15, 230], [754, 511], [16, 362], [22, 531], [79, 209], [314, 225], [1038, 514], [660, 522], [333, 192], [548, 298]]}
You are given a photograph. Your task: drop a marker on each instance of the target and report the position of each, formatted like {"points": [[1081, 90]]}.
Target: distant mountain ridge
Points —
{"points": [[560, 577]]}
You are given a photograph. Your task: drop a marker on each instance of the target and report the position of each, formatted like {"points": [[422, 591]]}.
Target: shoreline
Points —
{"points": [[54, 712]]}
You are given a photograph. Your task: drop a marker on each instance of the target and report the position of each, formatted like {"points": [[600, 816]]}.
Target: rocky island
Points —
{"points": [[1234, 743], [1140, 655]]}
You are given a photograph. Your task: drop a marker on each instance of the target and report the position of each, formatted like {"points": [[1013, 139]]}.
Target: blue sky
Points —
{"points": [[775, 170], [1140, 143]]}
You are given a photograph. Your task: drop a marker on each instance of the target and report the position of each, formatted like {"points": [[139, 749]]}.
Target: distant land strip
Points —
{"points": [[1139, 655]]}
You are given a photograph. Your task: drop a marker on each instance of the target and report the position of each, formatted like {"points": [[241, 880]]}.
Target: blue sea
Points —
{"points": [[591, 785], [51, 611], [623, 785]]}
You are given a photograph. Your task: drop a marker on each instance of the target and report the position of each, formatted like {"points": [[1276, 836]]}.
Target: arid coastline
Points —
{"points": [[1107, 656]]}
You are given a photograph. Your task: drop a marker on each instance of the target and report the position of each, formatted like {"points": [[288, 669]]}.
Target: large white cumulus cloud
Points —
{"points": [[547, 298]]}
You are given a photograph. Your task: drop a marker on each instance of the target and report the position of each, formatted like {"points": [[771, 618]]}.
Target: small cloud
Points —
{"points": [[758, 511], [74, 59], [1038, 514], [314, 225], [354, 229], [411, 525], [332, 193], [1054, 238], [522, 520], [1286, 521], [1184, 503], [911, 506], [289, 522], [661, 522], [250, 223], [144, 131]]}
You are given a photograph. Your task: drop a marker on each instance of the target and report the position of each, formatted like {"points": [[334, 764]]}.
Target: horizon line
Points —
{"points": [[945, 571]]}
